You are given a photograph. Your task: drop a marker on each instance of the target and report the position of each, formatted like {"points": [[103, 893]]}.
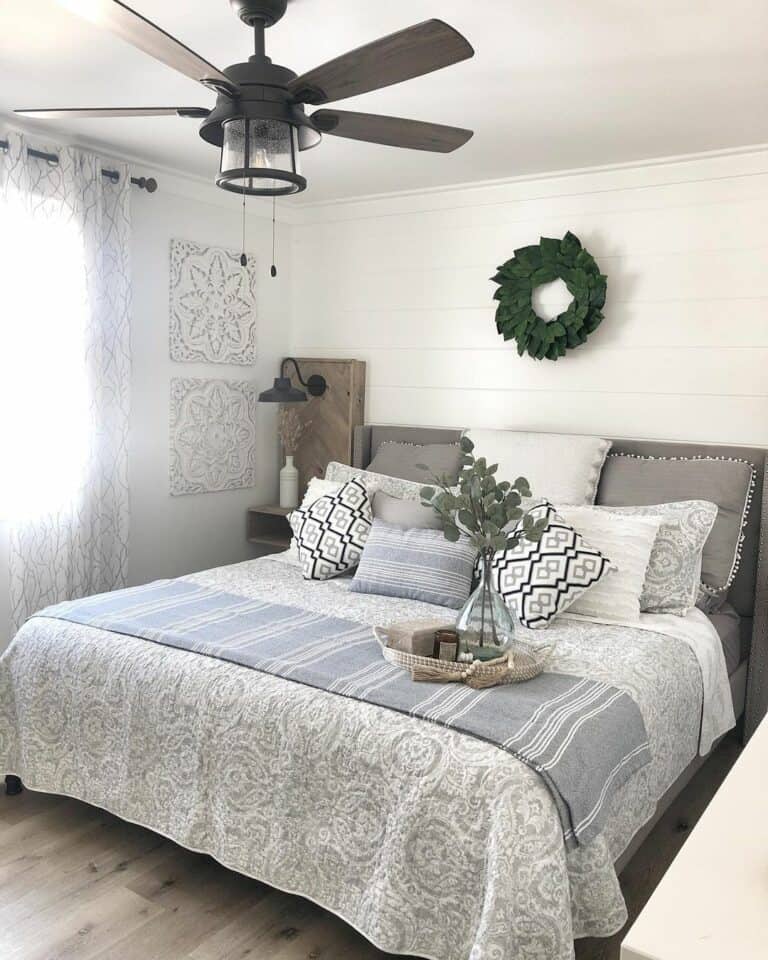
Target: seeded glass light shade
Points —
{"points": [[260, 158]]}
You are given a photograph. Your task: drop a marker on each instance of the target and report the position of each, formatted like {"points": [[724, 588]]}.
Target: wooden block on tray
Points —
{"points": [[416, 636]]}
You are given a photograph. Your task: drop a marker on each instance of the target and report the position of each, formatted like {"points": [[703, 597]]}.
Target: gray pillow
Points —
{"points": [[415, 565], [400, 460], [630, 480], [404, 513], [674, 569]]}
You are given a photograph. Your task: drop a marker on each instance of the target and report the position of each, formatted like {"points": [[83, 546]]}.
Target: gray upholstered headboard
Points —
{"points": [[742, 591], [368, 438], [749, 591]]}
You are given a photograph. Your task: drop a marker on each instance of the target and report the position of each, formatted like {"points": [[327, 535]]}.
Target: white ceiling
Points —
{"points": [[555, 84]]}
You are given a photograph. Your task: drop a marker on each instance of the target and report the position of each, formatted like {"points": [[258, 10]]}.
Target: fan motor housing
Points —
{"points": [[267, 11], [263, 94]]}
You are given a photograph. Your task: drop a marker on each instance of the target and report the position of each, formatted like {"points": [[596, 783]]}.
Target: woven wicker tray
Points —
{"points": [[522, 662]]}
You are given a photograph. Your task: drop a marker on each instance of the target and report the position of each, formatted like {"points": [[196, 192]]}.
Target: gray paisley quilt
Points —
{"points": [[584, 738], [428, 841]]}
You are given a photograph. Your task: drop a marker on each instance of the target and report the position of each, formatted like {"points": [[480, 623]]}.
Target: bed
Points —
{"points": [[427, 841]]}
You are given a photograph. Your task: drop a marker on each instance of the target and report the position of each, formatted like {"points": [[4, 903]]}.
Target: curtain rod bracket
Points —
{"points": [[143, 183]]}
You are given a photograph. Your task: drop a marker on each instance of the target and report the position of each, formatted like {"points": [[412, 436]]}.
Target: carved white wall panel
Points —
{"points": [[212, 305], [213, 435]]}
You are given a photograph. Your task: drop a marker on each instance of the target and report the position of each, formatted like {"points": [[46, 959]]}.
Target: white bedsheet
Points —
{"points": [[698, 632]]}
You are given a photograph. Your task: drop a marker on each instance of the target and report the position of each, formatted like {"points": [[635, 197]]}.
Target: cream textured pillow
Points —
{"points": [[394, 486], [560, 467], [627, 542], [317, 488]]}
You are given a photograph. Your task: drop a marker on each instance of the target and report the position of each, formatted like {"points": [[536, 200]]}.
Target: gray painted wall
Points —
{"points": [[171, 536]]}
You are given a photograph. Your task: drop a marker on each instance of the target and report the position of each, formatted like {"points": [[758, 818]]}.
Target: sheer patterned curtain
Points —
{"points": [[64, 375]]}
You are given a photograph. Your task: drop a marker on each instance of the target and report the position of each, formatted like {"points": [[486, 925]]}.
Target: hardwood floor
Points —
{"points": [[650, 863], [78, 884]]}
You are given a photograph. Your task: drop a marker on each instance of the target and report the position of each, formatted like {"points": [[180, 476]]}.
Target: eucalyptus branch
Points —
{"points": [[479, 506]]}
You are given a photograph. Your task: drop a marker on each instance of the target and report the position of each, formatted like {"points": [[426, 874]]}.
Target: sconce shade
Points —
{"points": [[282, 391]]}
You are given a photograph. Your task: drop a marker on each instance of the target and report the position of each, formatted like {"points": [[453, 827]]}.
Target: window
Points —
{"points": [[45, 429]]}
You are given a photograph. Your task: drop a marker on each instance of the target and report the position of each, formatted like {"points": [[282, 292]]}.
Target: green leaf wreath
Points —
{"points": [[529, 268]]}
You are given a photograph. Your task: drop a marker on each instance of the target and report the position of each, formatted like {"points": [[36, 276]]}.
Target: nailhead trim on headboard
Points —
{"points": [[757, 677], [716, 591], [408, 443]]}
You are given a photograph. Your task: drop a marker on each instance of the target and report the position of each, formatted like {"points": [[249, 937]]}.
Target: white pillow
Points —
{"points": [[318, 487], [559, 467], [627, 542]]}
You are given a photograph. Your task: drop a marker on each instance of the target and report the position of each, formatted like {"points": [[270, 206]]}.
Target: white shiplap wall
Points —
{"points": [[402, 282]]}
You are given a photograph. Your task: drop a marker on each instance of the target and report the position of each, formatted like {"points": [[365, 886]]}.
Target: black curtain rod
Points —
{"points": [[143, 183]]}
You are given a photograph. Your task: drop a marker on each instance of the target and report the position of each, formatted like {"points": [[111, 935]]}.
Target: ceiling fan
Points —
{"points": [[259, 120]]}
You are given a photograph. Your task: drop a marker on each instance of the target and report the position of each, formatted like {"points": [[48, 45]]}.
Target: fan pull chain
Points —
{"points": [[273, 269], [243, 258]]}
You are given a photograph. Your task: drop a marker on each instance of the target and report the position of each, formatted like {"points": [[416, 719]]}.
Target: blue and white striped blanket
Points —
{"points": [[583, 737]]}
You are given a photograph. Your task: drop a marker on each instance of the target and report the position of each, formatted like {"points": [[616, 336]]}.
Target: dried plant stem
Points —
{"points": [[291, 429]]}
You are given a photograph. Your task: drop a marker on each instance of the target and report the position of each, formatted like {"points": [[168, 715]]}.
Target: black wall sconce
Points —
{"points": [[282, 391]]}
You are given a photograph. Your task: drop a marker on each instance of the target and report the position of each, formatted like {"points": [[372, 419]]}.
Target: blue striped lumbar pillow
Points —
{"points": [[415, 564]]}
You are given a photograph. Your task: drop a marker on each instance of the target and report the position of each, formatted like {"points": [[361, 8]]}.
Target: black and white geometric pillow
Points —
{"points": [[331, 532], [540, 580]]}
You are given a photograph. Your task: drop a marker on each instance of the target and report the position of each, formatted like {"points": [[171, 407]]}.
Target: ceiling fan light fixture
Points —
{"points": [[259, 123], [260, 158]]}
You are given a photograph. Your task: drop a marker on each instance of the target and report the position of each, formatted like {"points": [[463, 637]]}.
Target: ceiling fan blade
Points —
{"points": [[404, 55], [86, 113], [142, 33], [391, 131]]}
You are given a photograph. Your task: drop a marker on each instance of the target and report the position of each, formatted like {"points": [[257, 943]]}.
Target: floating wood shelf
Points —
{"points": [[267, 526]]}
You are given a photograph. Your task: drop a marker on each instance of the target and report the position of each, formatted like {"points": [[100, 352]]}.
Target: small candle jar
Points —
{"points": [[446, 641]]}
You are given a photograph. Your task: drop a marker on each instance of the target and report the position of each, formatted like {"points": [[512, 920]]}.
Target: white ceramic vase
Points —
{"points": [[289, 484]]}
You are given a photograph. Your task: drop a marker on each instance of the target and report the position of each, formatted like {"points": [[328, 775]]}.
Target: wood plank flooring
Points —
{"points": [[76, 883]]}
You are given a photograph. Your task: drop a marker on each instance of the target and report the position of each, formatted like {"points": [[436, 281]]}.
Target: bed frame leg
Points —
{"points": [[13, 785]]}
